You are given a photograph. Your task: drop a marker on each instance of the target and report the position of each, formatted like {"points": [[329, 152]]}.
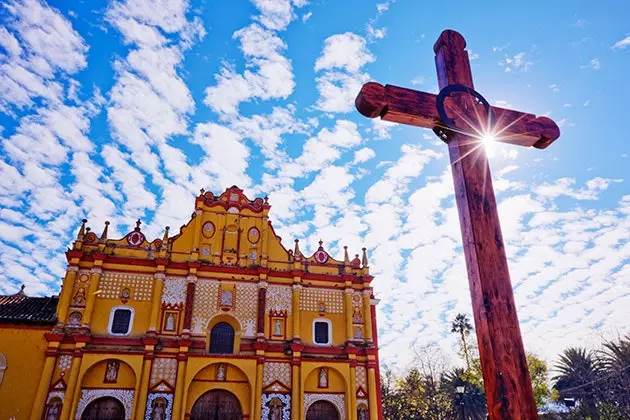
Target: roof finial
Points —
{"points": [[364, 261], [165, 237], [202, 191], [296, 250], [346, 257], [138, 223], [321, 245], [104, 234], [82, 230]]}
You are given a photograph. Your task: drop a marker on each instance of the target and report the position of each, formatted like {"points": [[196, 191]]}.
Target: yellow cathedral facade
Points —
{"points": [[219, 321]]}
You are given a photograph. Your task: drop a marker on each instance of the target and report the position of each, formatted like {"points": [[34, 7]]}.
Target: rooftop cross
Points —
{"points": [[463, 119]]}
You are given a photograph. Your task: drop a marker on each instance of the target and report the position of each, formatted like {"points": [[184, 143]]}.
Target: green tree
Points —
{"points": [[462, 326], [615, 361], [579, 372], [468, 399], [539, 373]]}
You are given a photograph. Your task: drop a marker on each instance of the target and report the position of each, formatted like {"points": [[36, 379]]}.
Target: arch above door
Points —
{"points": [[104, 408], [337, 400], [322, 410]]}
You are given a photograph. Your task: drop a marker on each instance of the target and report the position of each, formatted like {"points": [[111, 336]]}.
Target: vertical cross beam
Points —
{"points": [[506, 377]]}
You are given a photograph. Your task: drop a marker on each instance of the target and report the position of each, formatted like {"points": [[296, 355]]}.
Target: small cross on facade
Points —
{"points": [[462, 118]]}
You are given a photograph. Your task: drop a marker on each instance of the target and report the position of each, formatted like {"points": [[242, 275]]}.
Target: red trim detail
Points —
{"points": [[262, 303], [190, 296]]}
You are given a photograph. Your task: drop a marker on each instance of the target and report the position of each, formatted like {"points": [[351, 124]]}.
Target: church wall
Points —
{"points": [[95, 376], [102, 311], [24, 349], [176, 278]]}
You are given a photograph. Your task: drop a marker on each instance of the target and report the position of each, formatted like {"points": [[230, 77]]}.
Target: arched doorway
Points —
{"points": [[322, 410], [106, 408], [217, 405]]}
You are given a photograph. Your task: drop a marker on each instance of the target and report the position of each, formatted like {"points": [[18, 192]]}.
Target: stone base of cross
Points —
{"points": [[461, 117]]}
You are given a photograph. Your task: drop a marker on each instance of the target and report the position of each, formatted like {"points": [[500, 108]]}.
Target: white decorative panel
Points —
{"points": [[164, 370], [125, 396], [361, 378], [111, 285], [206, 306], [273, 371], [279, 298], [310, 299], [174, 291], [336, 399]]}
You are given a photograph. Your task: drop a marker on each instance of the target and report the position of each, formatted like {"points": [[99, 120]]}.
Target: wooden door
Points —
{"points": [[106, 408], [217, 405], [322, 410]]}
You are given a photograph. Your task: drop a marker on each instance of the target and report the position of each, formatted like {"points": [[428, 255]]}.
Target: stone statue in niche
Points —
{"points": [[275, 409], [124, 295], [322, 307], [356, 316], [358, 332], [111, 371], [75, 319], [226, 298], [277, 327], [169, 325], [53, 410], [323, 378], [158, 409], [363, 414], [79, 298], [220, 376]]}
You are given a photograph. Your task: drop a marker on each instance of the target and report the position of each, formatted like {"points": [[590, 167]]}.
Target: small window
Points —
{"points": [[322, 332], [120, 321], [222, 339]]}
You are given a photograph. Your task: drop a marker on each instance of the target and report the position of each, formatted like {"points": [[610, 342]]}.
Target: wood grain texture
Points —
{"points": [[506, 377], [412, 107]]}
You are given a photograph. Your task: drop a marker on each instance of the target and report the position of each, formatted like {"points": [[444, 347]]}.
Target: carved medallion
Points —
{"points": [[208, 229]]}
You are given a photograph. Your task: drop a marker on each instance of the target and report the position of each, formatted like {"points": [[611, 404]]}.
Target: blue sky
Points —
{"points": [[118, 110]]}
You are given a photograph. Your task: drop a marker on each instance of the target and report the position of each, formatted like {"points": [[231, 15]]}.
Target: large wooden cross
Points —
{"points": [[463, 119]]}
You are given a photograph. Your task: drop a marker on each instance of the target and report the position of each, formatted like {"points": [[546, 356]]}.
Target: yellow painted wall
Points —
{"points": [[24, 349], [94, 377], [102, 310], [338, 327], [336, 381]]}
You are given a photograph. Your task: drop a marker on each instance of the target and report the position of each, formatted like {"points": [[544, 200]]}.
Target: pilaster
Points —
{"points": [[66, 294], [39, 403], [372, 401], [72, 391], [348, 312], [296, 309], [95, 278], [156, 304], [367, 314]]}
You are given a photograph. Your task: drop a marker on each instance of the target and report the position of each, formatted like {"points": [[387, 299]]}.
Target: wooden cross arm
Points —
{"points": [[412, 107]]}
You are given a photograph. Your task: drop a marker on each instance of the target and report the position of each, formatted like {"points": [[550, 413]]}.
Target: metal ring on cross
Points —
{"points": [[448, 122]]}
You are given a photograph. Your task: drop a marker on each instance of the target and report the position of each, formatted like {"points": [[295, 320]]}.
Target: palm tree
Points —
{"points": [[615, 360], [468, 398], [579, 371], [463, 327]]}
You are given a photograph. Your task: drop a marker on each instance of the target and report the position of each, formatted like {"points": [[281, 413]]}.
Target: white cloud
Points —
{"points": [[621, 44], [345, 51], [593, 64], [363, 155], [342, 58], [516, 62], [271, 77]]}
